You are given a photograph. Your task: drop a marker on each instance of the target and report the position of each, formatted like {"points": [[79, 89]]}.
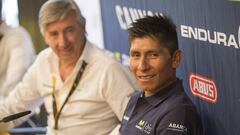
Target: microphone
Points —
{"points": [[14, 116]]}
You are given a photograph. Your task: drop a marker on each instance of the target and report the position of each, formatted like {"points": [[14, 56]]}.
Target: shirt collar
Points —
{"points": [[163, 94], [86, 52]]}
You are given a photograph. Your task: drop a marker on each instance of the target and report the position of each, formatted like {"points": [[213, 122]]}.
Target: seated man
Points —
{"points": [[161, 107], [84, 90]]}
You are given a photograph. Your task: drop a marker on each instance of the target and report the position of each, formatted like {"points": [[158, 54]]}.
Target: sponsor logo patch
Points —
{"points": [[203, 87], [177, 127], [144, 126]]}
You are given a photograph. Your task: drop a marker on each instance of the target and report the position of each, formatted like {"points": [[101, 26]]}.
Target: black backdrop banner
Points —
{"points": [[209, 36]]}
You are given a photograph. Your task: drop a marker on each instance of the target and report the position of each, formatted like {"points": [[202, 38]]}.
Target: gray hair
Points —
{"points": [[54, 10]]}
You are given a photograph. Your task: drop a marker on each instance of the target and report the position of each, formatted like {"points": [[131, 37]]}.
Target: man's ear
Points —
{"points": [[176, 59]]}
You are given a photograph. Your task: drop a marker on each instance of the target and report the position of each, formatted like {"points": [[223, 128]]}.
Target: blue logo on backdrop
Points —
{"points": [[127, 15]]}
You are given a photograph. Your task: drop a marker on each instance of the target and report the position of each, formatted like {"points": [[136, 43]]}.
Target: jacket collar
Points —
{"points": [[159, 97]]}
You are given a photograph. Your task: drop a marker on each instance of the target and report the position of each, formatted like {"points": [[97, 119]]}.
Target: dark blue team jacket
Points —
{"points": [[168, 112]]}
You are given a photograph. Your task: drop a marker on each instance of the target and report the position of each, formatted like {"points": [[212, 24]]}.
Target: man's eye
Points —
{"points": [[135, 55], [70, 30], [53, 34], [153, 55]]}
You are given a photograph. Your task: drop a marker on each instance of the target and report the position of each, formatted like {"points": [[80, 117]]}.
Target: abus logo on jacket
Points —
{"points": [[203, 88]]}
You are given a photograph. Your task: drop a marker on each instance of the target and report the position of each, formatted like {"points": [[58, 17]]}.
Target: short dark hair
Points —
{"points": [[157, 27]]}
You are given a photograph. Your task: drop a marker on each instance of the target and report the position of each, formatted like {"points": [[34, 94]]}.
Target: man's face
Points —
{"points": [[66, 37], [152, 65]]}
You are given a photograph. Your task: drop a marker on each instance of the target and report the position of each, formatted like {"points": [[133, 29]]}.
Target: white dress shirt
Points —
{"points": [[96, 106]]}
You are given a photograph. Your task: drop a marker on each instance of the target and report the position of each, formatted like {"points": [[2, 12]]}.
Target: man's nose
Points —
{"points": [[63, 40], [143, 64]]}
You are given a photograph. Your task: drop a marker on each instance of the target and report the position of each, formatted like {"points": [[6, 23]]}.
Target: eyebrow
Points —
{"points": [[150, 51]]}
